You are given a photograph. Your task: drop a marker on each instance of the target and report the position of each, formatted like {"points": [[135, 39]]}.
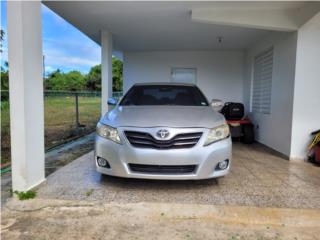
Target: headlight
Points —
{"points": [[108, 132], [217, 133]]}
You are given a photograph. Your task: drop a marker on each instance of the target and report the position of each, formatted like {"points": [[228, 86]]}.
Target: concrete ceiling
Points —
{"points": [[143, 26]]}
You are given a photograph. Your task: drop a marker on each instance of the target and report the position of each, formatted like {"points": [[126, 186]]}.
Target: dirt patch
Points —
{"points": [[52, 219], [63, 134]]}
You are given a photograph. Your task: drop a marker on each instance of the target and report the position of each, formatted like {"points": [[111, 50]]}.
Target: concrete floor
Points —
{"points": [[62, 219], [264, 197], [258, 178], [55, 159]]}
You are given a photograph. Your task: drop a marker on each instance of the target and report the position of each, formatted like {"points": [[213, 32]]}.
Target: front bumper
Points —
{"points": [[206, 158]]}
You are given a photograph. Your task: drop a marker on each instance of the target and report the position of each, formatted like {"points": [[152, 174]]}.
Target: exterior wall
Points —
{"points": [[219, 73], [306, 108], [274, 129]]}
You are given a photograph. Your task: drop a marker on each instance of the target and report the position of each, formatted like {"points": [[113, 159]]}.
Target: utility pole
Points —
{"points": [[77, 111], [44, 67]]}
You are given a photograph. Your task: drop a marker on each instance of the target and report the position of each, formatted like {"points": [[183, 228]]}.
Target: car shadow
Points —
{"points": [[133, 183]]}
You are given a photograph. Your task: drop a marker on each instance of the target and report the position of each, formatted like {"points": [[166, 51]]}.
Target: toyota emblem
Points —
{"points": [[163, 133]]}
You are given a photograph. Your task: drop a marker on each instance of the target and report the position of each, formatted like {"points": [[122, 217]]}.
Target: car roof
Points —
{"points": [[164, 84]]}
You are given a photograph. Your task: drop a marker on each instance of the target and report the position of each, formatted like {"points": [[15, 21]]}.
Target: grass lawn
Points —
{"points": [[59, 118]]}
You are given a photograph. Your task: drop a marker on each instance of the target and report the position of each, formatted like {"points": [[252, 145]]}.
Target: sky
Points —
{"points": [[64, 47]]}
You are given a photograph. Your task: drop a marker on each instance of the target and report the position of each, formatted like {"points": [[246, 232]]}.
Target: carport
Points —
{"points": [[263, 54]]}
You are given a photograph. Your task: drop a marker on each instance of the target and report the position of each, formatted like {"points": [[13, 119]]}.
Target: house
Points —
{"points": [[264, 54]]}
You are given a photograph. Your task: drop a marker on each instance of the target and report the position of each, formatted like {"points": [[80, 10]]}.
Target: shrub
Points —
{"points": [[25, 195]]}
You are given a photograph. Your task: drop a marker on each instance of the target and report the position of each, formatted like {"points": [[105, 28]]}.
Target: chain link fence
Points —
{"points": [[68, 115]]}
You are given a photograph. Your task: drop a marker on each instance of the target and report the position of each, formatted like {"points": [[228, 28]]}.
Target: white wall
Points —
{"points": [[306, 110], [275, 128], [228, 75], [219, 73]]}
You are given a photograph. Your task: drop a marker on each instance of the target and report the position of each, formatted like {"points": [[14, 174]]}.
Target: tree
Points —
{"points": [[4, 72], [4, 79], [71, 81], [75, 81], [93, 78], [117, 75], [4, 82]]}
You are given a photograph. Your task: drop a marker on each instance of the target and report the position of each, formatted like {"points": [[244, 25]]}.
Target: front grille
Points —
{"points": [[146, 140], [162, 169]]}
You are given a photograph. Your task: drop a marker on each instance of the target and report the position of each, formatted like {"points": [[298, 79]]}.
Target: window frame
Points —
{"points": [[261, 96], [173, 69]]}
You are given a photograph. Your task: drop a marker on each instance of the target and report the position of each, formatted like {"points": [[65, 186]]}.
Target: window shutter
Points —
{"points": [[262, 82]]}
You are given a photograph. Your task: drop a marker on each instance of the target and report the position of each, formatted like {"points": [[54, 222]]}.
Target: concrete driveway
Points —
{"points": [[258, 178], [265, 197], [62, 219]]}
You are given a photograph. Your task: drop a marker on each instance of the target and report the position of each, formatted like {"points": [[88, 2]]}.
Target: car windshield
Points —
{"points": [[164, 95]]}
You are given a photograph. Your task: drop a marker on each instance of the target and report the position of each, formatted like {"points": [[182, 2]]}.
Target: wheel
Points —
{"points": [[248, 134]]}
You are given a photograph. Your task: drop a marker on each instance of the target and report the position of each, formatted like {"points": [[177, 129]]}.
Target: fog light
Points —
{"points": [[103, 163], [222, 165]]}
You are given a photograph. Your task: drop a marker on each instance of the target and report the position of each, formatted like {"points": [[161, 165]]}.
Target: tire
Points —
{"points": [[248, 134]]}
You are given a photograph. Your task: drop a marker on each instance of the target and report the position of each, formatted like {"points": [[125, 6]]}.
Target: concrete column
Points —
{"points": [[306, 99], [106, 69], [26, 94]]}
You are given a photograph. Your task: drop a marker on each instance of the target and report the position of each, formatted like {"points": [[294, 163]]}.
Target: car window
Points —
{"points": [[164, 95]]}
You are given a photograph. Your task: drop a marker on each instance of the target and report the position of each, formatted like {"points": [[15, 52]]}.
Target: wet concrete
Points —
{"points": [[61, 219], [258, 178]]}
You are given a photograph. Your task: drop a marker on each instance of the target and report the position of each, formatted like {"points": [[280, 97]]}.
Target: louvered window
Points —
{"points": [[262, 82]]}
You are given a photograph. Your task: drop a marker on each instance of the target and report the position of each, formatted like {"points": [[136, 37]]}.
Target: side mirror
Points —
{"points": [[112, 101], [216, 104]]}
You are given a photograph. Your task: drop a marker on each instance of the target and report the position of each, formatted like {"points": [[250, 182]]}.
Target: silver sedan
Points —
{"points": [[163, 131]]}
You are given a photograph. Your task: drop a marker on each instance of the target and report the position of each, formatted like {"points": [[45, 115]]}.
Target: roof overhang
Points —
{"points": [[146, 26]]}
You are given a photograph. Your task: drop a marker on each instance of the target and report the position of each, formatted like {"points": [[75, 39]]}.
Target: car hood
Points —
{"points": [[163, 116]]}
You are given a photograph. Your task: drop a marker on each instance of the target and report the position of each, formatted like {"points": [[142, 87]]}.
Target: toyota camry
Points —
{"points": [[163, 131]]}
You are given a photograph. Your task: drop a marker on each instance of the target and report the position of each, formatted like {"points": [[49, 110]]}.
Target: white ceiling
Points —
{"points": [[160, 25]]}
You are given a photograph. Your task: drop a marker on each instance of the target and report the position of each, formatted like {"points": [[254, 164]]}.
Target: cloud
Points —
{"points": [[49, 69], [64, 46], [69, 62], [70, 54]]}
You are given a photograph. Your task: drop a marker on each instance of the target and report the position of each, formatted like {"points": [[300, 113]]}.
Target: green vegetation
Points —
{"points": [[93, 78], [59, 111], [76, 81], [71, 81], [93, 82], [89, 193], [25, 195], [4, 82], [59, 120], [117, 75]]}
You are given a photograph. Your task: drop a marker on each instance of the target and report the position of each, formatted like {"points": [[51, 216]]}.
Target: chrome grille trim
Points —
{"points": [[146, 140]]}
